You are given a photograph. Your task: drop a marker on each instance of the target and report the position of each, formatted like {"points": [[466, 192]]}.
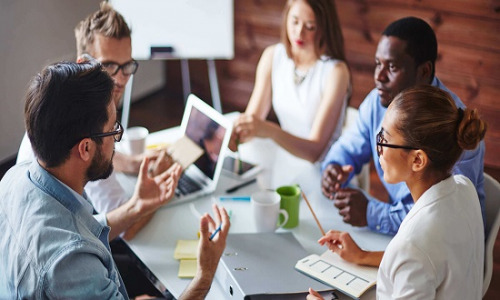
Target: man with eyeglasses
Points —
{"points": [[405, 57], [52, 245], [105, 37]]}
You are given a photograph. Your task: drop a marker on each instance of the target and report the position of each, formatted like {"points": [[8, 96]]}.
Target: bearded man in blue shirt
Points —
{"points": [[405, 57], [51, 246]]}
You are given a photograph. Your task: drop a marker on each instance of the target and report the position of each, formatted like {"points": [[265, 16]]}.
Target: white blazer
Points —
{"points": [[438, 252]]}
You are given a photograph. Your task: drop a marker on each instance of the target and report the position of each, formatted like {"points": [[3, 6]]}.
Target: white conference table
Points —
{"points": [[156, 242]]}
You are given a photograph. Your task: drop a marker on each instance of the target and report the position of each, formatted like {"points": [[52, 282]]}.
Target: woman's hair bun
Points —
{"points": [[471, 129]]}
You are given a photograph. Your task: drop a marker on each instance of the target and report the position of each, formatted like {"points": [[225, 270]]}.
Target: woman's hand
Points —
{"points": [[313, 295], [248, 126], [341, 243]]}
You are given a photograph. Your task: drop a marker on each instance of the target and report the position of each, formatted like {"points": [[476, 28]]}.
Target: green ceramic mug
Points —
{"points": [[290, 200]]}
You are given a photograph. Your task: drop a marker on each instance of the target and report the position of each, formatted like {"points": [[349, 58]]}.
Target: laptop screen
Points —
{"points": [[209, 135]]}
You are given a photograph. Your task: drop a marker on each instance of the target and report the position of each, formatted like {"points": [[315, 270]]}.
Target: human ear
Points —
{"points": [[84, 148], [420, 160], [84, 57], [424, 72]]}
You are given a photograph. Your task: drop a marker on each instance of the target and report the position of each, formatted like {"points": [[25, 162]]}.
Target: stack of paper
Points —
{"points": [[186, 251], [330, 269]]}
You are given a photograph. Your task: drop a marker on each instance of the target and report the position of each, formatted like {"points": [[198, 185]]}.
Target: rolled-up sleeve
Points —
{"points": [[353, 147]]}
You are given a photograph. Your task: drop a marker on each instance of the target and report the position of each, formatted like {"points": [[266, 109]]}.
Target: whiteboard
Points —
{"points": [[186, 29]]}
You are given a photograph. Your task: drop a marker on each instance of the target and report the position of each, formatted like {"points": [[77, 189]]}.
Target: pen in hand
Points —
{"points": [[215, 232]]}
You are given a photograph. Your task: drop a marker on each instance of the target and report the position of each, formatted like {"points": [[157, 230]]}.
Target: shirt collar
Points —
{"points": [[81, 198], [71, 200], [432, 195]]}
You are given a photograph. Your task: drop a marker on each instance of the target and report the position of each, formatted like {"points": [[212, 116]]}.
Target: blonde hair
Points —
{"points": [[106, 21], [428, 119], [329, 39]]}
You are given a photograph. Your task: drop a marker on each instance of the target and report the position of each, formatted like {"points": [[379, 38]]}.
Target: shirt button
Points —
{"points": [[378, 227]]}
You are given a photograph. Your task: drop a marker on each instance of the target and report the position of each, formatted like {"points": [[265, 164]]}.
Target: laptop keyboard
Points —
{"points": [[187, 185]]}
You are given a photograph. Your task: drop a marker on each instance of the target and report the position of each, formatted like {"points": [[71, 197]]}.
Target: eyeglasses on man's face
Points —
{"points": [[112, 68], [117, 133], [381, 144], [127, 68]]}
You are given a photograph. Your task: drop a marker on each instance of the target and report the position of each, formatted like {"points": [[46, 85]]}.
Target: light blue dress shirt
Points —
{"points": [[356, 146], [51, 247]]}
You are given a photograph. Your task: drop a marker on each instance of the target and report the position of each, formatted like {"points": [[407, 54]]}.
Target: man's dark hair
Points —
{"points": [[65, 103], [420, 38]]}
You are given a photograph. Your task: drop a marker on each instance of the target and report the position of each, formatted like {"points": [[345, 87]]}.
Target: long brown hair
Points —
{"points": [[329, 39], [428, 119]]}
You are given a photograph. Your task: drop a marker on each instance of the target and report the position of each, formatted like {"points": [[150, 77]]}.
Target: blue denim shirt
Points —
{"points": [[50, 244], [356, 146]]}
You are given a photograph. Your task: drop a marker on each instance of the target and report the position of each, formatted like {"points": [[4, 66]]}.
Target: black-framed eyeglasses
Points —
{"points": [[381, 144], [117, 133], [127, 68]]}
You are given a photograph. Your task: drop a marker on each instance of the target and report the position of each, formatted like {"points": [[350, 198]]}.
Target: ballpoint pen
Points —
{"points": [[215, 232], [235, 188]]}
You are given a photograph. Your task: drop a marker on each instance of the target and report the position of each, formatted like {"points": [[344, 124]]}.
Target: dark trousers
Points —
{"points": [[136, 276]]}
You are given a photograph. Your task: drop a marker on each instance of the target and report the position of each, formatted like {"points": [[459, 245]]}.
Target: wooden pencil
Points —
{"points": [[312, 211]]}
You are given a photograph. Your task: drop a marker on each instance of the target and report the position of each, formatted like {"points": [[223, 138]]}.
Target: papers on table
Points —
{"points": [[330, 269]]}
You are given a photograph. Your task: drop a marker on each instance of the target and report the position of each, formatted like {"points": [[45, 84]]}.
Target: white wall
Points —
{"points": [[36, 33]]}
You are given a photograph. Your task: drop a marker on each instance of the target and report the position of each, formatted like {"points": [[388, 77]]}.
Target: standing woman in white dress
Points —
{"points": [[438, 252], [305, 79]]}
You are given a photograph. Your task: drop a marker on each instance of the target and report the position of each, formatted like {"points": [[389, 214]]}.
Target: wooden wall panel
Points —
{"points": [[484, 8], [361, 79], [480, 64], [464, 30], [467, 32], [257, 25]]}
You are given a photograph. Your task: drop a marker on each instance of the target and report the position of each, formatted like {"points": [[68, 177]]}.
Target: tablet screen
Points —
{"points": [[233, 165]]}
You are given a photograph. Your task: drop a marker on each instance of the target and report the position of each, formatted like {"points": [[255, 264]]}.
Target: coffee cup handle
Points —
{"points": [[285, 216]]}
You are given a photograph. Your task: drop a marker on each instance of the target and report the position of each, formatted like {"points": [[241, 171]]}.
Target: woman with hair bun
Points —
{"points": [[439, 248]]}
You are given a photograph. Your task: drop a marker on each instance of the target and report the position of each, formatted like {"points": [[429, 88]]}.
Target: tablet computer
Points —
{"points": [[240, 169]]}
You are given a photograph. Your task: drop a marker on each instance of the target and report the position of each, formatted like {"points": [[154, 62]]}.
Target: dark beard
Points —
{"points": [[99, 167]]}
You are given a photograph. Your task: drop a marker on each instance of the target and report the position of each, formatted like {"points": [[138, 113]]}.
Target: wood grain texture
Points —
{"points": [[468, 53]]}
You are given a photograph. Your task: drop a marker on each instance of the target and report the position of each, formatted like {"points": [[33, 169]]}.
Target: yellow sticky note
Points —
{"points": [[157, 146], [186, 249], [187, 268]]}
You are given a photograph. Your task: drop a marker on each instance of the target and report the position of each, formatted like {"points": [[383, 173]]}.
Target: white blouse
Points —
{"points": [[296, 105], [438, 252]]}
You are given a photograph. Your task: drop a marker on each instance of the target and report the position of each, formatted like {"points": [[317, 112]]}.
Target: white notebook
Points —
{"points": [[330, 269]]}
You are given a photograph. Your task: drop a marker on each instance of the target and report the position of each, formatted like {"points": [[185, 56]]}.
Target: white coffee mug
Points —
{"points": [[135, 139], [266, 210]]}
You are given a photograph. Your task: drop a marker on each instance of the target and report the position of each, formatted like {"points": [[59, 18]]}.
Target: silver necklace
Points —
{"points": [[299, 77]]}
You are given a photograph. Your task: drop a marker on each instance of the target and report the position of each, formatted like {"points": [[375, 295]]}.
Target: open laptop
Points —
{"points": [[211, 131]]}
